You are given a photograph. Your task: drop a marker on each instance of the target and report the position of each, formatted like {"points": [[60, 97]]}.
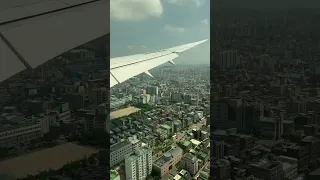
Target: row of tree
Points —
{"points": [[100, 159]]}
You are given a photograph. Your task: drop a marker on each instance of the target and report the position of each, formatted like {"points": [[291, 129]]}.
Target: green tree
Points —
{"points": [[4, 150], [51, 136], [155, 175], [103, 157]]}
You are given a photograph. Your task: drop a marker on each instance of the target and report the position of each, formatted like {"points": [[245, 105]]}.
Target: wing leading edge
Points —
{"points": [[123, 68]]}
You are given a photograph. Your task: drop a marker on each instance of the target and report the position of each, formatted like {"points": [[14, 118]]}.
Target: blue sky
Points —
{"points": [[139, 26]]}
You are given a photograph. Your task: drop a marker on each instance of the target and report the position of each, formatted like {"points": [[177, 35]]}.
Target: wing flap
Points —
{"points": [[16, 3], [29, 10], [113, 81], [126, 60], [123, 73], [9, 62], [75, 2]]}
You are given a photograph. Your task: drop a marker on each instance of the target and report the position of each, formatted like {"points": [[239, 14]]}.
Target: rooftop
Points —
{"points": [[195, 142], [16, 125], [172, 153], [113, 174], [119, 145], [265, 164], [186, 143], [165, 126], [183, 172], [190, 157], [315, 172]]}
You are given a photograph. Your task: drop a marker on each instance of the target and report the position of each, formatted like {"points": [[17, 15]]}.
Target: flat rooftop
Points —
{"points": [[119, 145]]}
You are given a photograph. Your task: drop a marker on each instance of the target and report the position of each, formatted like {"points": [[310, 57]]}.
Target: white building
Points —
{"points": [[63, 113], [153, 99], [139, 165], [145, 98], [135, 142], [190, 163], [45, 123], [23, 132], [119, 151]]}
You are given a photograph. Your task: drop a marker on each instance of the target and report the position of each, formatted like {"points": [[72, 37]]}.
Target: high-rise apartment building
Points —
{"points": [[153, 90], [139, 165], [100, 96], [227, 113], [228, 59], [190, 163]]}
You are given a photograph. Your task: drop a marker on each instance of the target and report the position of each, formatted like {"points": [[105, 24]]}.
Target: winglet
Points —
{"points": [[148, 73], [171, 62]]}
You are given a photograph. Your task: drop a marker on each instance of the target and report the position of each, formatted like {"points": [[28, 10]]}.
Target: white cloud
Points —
{"points": [[129, 47], [143, 47], [176, 2], [170, 28], [197, 3], [135, 10], [204, 22]]}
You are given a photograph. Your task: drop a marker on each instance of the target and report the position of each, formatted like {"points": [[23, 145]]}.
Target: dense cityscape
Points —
{"points": [[161, 130], [53, 119], [252, 114], [265, 94]]}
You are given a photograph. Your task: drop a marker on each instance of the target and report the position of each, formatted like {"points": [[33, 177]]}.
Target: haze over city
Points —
{"points": [[153, 25]]}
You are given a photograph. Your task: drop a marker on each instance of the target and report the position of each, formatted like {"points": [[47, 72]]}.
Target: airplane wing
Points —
{"points": [[123, 68], [35, 31]]}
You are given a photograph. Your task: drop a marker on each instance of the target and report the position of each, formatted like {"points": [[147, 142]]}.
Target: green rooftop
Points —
{"points": [[177, 122], [183, 172], [113, 174], [203, 175], [186, 143], [203, 155], [186, 137], [166, 126]]}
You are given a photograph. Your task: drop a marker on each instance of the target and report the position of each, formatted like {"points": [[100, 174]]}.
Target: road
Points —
{"points": [[198, 173], [190, 128]]}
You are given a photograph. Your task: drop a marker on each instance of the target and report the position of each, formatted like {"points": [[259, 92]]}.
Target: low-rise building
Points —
{"points": [[119, 151], [290, 167], [22, 132], [167, 161]]}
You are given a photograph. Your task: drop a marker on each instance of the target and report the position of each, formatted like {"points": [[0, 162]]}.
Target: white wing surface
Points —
{"points": [[35, 31], [123, 68]]}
